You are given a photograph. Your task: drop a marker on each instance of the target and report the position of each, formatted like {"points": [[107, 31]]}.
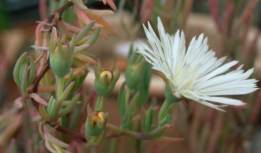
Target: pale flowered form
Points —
{"points": [[194, 72]]}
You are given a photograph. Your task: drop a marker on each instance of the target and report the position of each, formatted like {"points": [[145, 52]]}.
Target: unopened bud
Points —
{"points": [[106, 77], [132, 75], [105, 81], [24, 72], [95, 126], [134, 70], [61, 60]]}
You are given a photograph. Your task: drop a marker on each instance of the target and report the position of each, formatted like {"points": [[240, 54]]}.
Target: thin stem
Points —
{"points": [[164, 109], [55, 17], [113, 146], [59, 88], [137, 135], [59, 93], [140, 146], [99, 103], [37, 80]]}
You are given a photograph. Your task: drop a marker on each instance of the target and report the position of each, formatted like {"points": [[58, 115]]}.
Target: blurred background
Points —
{"points": [[233, 28]]}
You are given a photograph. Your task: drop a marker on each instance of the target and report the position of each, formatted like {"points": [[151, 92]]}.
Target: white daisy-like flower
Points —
{"points": [[194, 72]]}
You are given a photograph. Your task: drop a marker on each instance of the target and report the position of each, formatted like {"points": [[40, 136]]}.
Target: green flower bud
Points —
{"points": [[143, 87], [24, 72], [132, 75], [105, 81], [61, 60], [134, 71], [61, 55], [95, 126]]}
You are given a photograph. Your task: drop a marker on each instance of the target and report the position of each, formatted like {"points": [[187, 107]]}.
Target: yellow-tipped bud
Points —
{"points": [[98, 118], [106, 76], [105, 81], [95, 125]]}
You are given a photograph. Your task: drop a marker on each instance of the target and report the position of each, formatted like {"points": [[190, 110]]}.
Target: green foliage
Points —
{"points": [[24, 72], [61, 60], [149, 118]]}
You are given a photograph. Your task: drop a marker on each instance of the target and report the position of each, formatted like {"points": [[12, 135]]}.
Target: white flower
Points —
{"points": [[194, 72]]}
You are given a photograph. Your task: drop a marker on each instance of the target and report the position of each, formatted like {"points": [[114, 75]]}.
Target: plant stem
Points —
{"points": [[137, 135], [55, 17], [164, 109], [59, 88], [99, 103], [140, 146], [113, 145], [59, 93]]}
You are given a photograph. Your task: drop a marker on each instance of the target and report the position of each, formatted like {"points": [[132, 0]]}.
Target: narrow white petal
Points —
{"points": [[220, 70], [224, 100]]}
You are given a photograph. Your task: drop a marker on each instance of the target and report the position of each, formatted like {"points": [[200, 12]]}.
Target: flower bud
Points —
{"points": [[24, 72], [134, 71], [61, 59], [95, 126], [106, 77], [105, 81], [132, 75]]}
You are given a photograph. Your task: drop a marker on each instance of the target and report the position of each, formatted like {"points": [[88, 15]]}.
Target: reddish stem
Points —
{"points": [[213, 4]]}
